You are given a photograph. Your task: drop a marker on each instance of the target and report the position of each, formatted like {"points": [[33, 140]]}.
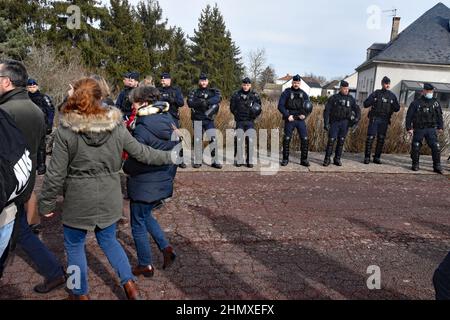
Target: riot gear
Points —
{"points": [[426, 114], [383, 106], [296, 101]]}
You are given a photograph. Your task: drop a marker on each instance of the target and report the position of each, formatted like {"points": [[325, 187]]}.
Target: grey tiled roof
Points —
{"points": [[427, 40]]}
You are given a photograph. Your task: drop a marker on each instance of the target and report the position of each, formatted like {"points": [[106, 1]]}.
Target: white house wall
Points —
{"points": [[366, 80], [398, 73]]}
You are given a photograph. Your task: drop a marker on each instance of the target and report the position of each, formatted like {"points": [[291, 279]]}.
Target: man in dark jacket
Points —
{"points": [[30, 120], [292, 107], [148, 185], [130, 81], [425, 120], [204, 103], [45, 104], [245, 105], [341, 112], [174, 97], [383, 104]]}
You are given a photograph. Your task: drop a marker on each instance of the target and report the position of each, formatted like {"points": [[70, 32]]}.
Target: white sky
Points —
{"points": [[327, 38]]}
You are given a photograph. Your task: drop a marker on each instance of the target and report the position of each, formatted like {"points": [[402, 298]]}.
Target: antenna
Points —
{"points": [[393, 12]]}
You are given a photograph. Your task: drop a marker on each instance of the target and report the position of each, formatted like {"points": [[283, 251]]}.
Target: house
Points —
{"points": [[331, 88], [421, 53], [315, 89]]}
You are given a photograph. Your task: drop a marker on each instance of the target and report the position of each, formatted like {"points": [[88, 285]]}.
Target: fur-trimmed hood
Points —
{"points": [[95, 129]]}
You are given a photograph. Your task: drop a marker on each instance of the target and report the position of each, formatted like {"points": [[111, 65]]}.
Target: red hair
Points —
{"points": [[86, 98]]}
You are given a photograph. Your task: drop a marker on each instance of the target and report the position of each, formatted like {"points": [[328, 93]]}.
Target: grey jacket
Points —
{"points": [[87, 158]]}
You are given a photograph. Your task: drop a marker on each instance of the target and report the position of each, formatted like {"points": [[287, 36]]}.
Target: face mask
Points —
{"points": [[429, 96]]}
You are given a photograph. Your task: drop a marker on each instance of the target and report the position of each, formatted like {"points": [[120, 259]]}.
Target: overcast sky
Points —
{"points": [[327, 38]]}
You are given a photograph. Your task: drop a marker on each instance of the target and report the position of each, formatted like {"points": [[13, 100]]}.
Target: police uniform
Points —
{"points": [[292, 103], [174, 97], [246, 107], [45, 104], [425, 117], [204, 104], [341, 112], [123, 100], [383, 104]]}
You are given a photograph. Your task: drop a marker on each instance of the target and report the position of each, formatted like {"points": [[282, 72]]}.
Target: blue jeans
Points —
{"points": [[45, 260], [441, 280], [378, 127], [74, 242], [338, 129], [143, 223], [5, 236], [300, 125]]}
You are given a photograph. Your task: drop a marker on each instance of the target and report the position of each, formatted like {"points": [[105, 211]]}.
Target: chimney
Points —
{"points": [[395, 27]]}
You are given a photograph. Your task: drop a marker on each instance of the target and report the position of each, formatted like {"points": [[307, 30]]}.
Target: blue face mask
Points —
{"points": [[429, 96]]}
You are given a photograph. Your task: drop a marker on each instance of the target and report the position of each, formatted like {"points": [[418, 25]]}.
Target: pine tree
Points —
{"points": [[177, 60], [14, 41], [156, 33], [87, 39], [267, 76], [125, 38], [215, 53]]}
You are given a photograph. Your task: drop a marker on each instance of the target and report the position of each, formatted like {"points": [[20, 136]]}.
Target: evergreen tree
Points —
{"points": [[267, 76], [125, 38], [177, 60], [215, 53], [14, 41], [88, 39], [156, 33]]}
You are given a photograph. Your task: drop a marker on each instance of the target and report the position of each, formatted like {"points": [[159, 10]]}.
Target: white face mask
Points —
{"points": [[429, 96]]}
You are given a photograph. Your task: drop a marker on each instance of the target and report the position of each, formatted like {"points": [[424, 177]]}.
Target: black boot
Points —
{"points": [[215, 164], [379, 149], [436, 153], [415, 155], [368, 153], [286, 146], [329, 152], [304, 156], [339, 150], [182, 165], [41, 166]]}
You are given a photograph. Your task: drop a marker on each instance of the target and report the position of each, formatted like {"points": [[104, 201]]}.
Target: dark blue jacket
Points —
{"points": [[123, 101], [375, 101], [416, 123], [284, 103], [174, 97], [152, 183], [44, 103], [200, 100]]}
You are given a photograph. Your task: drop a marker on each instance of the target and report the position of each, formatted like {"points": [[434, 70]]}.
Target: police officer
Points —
{"points": [[44, 103], [245, 105], [341, 112], [424, 120], [383, 104], [295, 106], [174, 97], [130, 81], [204, 103]]}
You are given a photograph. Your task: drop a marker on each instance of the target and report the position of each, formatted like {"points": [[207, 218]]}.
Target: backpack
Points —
{"points": [[15, 161]]}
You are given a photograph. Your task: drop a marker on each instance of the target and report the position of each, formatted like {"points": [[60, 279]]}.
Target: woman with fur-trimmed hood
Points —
{"points": [[86, 162]]}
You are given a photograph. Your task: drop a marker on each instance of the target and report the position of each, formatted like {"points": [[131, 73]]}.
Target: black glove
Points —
{"points": [[203, 104]]}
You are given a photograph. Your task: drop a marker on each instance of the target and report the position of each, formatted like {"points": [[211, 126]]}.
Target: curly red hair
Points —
{"points": [[86, 98]]}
